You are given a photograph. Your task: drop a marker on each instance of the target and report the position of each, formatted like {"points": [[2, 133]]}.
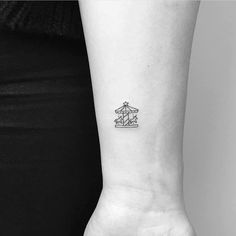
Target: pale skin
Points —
{"points": [[139, 52]]}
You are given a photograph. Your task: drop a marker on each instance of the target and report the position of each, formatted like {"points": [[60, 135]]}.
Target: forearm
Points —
{"points": [[139, 52]]}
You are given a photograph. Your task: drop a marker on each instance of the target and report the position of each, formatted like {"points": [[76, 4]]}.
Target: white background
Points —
{"points": [[210, 128]]}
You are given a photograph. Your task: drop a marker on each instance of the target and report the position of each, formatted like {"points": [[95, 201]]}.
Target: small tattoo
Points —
{"points": [[127, 116]]}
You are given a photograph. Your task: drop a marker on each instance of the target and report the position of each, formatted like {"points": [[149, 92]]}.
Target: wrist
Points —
{"points": [[123, 210], [142, 200]]}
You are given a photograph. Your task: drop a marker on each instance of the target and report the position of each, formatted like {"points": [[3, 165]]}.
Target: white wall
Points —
{"points": [[210, 129]]}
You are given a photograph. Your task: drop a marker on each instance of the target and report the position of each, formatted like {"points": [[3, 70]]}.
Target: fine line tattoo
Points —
{"points": [[127, 116]]}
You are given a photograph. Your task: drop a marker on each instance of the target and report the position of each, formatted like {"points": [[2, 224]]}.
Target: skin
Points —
{"points": [[139, 52]]}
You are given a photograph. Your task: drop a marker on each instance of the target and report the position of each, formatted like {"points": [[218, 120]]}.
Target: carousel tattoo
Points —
{"points": [[126, 116]]}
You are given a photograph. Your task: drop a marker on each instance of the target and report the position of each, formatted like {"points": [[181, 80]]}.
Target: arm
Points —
{"points": [[139, 52]]}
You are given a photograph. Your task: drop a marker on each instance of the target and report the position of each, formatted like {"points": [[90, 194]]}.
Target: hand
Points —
{"points": [[119, 215]]}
